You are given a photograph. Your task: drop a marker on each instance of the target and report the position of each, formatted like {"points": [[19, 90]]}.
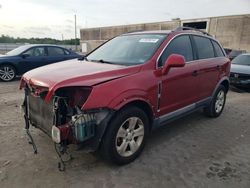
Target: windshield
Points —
{"points": [[18, 51], [242, 60], [128, 49]]}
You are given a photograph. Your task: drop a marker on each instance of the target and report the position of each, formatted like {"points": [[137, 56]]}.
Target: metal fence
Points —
{"points": [[6, 47]]}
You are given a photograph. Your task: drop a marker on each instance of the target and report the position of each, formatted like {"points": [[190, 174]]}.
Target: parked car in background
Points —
{"points": [[240, 71], [127, 87], [231, 53], [27, 57]]}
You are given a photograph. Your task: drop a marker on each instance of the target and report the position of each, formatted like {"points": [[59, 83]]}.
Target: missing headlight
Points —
{"points": [[76, 95]]}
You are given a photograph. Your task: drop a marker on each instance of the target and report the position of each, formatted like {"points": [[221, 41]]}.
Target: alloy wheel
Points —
{"points": [[7, 73], [130, 136], [219, 103]]}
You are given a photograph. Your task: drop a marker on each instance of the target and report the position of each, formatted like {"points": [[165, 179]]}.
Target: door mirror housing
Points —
{"points": [[24, 55], [174, 60]]}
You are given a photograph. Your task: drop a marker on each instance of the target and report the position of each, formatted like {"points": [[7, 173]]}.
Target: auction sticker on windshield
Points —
{"points": [[148, 40]]}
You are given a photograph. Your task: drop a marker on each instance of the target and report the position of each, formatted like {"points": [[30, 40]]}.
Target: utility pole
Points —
{"points": [[75, 35]]}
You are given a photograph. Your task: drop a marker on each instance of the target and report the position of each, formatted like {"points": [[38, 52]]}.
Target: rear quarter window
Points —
{"points": [[204, 47], [217, 49], [66, 52]]}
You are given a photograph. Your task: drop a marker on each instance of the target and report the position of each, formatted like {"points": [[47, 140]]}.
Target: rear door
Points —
{"points": [[209, 65], [56, 54], [179, 85]]}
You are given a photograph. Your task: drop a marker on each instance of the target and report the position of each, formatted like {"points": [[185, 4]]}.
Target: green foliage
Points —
{"points": [[8, 39]]}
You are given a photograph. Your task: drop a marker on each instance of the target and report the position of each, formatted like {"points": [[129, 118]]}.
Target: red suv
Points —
{"points": [[110, 100]]}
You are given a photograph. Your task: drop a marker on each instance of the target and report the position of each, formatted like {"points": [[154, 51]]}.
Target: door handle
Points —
{"points": [[195, 73], [218, 67]]}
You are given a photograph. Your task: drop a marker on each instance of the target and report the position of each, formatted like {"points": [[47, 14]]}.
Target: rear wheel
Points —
{"points": [[125, 136], [7, 73], [218, 102]]}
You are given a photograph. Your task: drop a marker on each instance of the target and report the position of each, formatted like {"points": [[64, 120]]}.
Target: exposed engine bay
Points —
{"points": [[63, 119]]}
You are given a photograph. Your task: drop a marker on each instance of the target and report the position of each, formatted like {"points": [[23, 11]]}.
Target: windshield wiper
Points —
{"points": [[103, 61]]}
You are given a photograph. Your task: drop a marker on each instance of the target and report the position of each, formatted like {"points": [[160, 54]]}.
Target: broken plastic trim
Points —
{"points": [[27, 123], [62, 150]]}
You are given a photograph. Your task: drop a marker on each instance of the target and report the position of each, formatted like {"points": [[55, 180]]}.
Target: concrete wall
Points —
{"points": [[232, 31], [93, 37]]}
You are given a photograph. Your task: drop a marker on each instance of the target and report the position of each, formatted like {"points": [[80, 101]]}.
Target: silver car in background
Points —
{"points": [[240, 71]]}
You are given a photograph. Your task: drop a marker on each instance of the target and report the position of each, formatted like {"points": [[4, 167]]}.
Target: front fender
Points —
{"points": [[129, 96]]}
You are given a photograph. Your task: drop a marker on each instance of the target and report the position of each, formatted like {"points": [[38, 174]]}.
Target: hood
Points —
{"points": [[2, 56], [75, 73], [243, 69]]}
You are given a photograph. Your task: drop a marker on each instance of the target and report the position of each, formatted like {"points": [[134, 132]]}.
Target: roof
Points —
{"points": [[34, 45]]}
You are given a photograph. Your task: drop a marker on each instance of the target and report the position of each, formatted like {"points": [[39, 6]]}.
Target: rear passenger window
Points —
{"points": [[66, 52], [217, 49], [54, 51], [204, 47], [180, 45]]}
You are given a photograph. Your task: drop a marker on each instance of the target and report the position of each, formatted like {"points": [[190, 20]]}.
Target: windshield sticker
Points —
{"points": [[149, 40]]}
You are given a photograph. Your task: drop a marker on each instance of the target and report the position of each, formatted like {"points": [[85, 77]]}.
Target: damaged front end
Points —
{"points": [[63, 119]]}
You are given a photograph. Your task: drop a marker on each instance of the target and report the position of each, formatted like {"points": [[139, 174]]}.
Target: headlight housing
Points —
{"points": [[76, 95]]}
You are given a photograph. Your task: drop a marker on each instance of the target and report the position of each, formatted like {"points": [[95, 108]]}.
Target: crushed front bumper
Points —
{"points": [[241, 80], [66, 126]]}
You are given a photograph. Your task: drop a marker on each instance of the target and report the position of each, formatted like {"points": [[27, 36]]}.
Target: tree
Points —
{"points": [[8, 39]]}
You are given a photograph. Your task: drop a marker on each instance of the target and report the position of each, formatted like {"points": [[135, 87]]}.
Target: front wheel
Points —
{"points": [[217, 104], [7, 73], [125, 136]]}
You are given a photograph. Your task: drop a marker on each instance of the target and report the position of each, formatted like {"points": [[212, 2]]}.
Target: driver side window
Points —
{"points": [[180, 45], [36, 52]]}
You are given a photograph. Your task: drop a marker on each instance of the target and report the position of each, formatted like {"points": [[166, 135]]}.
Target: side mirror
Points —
{"points": [[174, 60], [24, 55], [82, 58]]}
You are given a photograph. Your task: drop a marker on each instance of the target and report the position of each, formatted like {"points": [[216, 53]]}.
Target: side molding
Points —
{"points": [[164, 119]]}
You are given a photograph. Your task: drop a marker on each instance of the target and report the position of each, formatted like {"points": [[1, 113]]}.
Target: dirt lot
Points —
{"points": [[195, 151]]}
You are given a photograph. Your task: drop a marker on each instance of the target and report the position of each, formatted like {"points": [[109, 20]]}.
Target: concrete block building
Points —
{"points": [[232, 31]]}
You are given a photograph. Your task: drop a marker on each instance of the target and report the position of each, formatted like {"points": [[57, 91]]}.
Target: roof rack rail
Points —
{"points": [[191, 28]]}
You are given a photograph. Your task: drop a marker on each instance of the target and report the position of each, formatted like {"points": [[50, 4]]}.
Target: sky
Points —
{"points": [[55, 19]]}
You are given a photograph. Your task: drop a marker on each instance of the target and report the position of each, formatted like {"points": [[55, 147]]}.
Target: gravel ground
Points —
{"points": [[194, 151]]}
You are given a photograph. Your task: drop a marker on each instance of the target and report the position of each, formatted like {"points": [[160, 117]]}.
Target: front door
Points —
{"points": [[33, 58], [179, 87]]}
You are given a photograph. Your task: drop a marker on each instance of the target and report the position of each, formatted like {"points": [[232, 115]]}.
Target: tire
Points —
{"points": [[217, 104], [125, 136], [7, 73]]}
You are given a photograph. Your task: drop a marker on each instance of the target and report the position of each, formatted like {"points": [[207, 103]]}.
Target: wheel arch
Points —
{"points": [[143, 105], [223, 81]]}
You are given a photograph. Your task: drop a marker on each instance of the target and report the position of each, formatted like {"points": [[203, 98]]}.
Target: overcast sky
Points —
{"points": [[50, 18]]}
